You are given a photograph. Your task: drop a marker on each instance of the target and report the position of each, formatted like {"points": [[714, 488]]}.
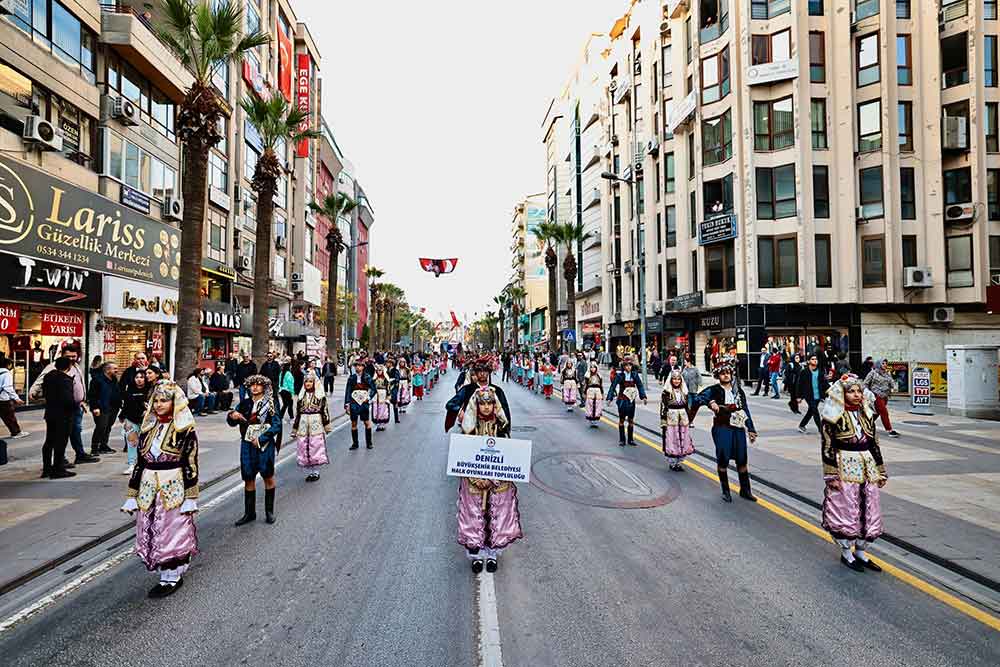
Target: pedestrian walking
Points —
{"points": [[357, 402], [133, 410], [9, 399], [791, 381], [271, 369], [811, 386], [853, 471], [312, 425], [405, 389], [674, 421], [60, 408], [260, 437], [762, 372], [104, 397], [866, 367], [548, 379], [626, 388], [881, 383], [774, 364], [286, 387], [163, 489], [582, 367], [593, 391], [70, 350], [692, 378], [329, 371]]}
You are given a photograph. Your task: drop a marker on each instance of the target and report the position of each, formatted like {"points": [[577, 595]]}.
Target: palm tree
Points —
{"points": [[395, 299], [516, 295], [548, 233], [204, 36], [501, 301], [276, 122], [571, 235], [373, 274], [332, 207]]}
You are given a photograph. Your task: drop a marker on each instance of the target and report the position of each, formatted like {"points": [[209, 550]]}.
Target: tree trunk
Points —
{"points": [[262, 270], [332, 333], [194, 186], [551, 266], [569, 265]]}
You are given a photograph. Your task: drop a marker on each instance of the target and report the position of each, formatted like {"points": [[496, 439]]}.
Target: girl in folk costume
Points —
{"points": [[519, 370], [593, 387], [530, 374], [312, 425], [488, 517], [381, 402], [418, 382], [677, 441], [853, 470], [569, 387], [163, 488], [548, 379], [260, 438], [405, 390]]}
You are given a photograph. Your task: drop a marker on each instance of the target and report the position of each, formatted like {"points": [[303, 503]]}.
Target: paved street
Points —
{"points": [[363, 569]]}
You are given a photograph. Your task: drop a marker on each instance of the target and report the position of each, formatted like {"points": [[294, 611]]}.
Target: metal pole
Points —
{"points": [[641, 250]]}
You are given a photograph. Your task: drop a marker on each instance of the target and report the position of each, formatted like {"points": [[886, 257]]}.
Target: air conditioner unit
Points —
{"points": [[956, 133], [942, 315], [296, 285], [613, 85], [125, 111], [665, 28], [280, 242], [652, 147], [658, 307], [173, 208], [959, 212], [614, 139], [917, 276], [42, 133], [243, 262], [296, 277]]}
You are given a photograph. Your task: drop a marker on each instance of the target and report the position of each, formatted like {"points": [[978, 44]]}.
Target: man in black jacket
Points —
{"points": [[60, 406], [139, 364], [105, 399], [271, 369], [219, 385], [811, 387], [244, 369]]}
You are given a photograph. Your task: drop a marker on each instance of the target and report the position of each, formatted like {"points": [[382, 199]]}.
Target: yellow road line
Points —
{"points": [[951, 600]]}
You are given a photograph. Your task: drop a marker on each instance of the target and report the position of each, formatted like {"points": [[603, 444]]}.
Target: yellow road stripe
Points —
{"points": [[935, 592]]}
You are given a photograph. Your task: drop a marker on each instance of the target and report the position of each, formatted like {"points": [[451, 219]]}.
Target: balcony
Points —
{"points": [[767, 73], [129, 31], [714, 20], [681, 111], [955, 77], [623, 87], [675, 8], [593, 156], [593, 199]]}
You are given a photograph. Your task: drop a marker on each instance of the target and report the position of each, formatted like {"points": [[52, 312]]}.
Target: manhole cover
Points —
{"points": [[523, 429], [600, 480], [917, 422]]}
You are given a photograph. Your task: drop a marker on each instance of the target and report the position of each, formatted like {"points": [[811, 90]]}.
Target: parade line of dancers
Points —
{"points": [[164, 484]]}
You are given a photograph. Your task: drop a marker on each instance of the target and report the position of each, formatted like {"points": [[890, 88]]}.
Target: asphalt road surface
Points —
{"points": [[624, 563]]}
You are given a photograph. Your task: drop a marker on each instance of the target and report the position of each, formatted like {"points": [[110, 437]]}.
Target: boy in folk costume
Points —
{"points": [[260, 438], [853, 470], [548, 379], [381, 405], [593, 390], [163, 488], [403, 382], [312, 425], [488, 517], [393, 373], [357, 403], [626, 388], [569, 386], [677, 441]]}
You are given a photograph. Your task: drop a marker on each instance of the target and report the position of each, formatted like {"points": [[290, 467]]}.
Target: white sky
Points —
{"points": [[439, 106]]}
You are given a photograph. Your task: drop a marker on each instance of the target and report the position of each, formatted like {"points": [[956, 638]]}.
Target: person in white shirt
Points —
{"points": [[201, 401], [9, 399]]}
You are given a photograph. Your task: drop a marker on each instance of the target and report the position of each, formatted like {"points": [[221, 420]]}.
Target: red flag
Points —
{"points": [[438, 266], [454, 320]]}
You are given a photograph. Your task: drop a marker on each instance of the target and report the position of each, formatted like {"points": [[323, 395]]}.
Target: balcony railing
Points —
{"points": [[715, 30], [144, 17], [955, 77]]}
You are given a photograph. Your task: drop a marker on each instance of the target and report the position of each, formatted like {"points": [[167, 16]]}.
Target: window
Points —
{"points": [[253, 17], [904, 112], [902, 9], [958, 260], [909, 250], [992, 132], [715, 77], [129, 164], [659, 282], [994, 259], [817, 116], [714, 16], [657, 180], [821, 191], [815, 7], [873, 261], [669, 173], [220, 78], [765, 9], [720, 264], [309, 244], [659, 234], [218, 171], [904, 61], [280, 226], [865, 8], [667, 66], [216, 234], [690, 155], [774, 127], [250, 162], [688, 42], [771, 48], [907, 193], [692, 213], [717, 197], [777, 261], [671, 278], [955, 60], [958, 186], [990, 9], [55, 29], [717, 139], [990, 60], [671, 226], [694, 270], [993, 194], [867, 59], [281, 191], [279, 267], [870, 126], [640, 197], [871, 193], [817, 57], [775, 192], [824, 262]]}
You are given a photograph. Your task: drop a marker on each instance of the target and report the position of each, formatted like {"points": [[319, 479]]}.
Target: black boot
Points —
{"points": [[621, 435], [249, 508], [631, 440], [354, 438], [745, 487], [269, 505], [724, 481], [368, 439]]}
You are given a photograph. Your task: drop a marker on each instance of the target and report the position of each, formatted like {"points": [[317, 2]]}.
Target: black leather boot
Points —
{"points": [[354, 438], [269, 505], [621, 435], [745, 492], [368, 439], [724, 481], [631, 440], [249, 508]]}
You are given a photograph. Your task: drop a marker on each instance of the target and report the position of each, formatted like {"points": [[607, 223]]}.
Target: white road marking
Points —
{"points": [[120, 557], [490, 653]]}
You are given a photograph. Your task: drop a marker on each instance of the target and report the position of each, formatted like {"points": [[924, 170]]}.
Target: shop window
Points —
{"points": [[777, 261], [717, 197], [870, 126], [717, 139], [992, 131], [817, 116], [959, 261], [872, 205], [907, 193], [771, 48], [715, 77], [955, 60], [993, 194], [671, 279], [720, 261], [670, 222], [53, 27], [776, 192], [824, 261], [873, 261], [958, 186], [821, 191], [909, 250], [994, 259], [904, 61], [774, 127], [867, 58], [817, 57], [129, 164]]}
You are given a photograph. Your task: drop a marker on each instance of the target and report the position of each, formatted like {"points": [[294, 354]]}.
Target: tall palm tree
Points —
{"points": [[372, 274], [501, 301], [571, 234], [548, 233], [516, 296], [332, 207], [204, 36], [276, 122], [395, 300]]}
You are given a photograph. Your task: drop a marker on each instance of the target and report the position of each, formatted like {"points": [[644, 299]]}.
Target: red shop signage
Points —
{"points": [[62, 323], [10, 318], [302, 95]]}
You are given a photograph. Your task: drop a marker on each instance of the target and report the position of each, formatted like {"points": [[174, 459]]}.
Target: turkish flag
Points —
{"points": [[454, 320], [438, 266]]}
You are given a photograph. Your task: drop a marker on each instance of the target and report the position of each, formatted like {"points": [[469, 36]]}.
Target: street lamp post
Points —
{"points": [[641, 251]]}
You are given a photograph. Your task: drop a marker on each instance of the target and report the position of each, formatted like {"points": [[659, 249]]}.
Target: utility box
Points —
{"points": [[972, 381]]}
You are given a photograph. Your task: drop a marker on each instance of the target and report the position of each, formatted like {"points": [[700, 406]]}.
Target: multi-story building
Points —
{"points": [[528, 272], [757, 233], [558, 191]]}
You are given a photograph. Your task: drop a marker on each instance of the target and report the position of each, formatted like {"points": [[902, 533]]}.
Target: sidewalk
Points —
{"points": [[41, 520], [943, 494]]}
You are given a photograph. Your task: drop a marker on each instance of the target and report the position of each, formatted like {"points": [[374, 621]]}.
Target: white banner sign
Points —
{"points": [[485, 457]]}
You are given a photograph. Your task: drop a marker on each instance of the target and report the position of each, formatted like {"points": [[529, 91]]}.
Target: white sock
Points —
{"points": [[845, 550], [859, 550]]}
